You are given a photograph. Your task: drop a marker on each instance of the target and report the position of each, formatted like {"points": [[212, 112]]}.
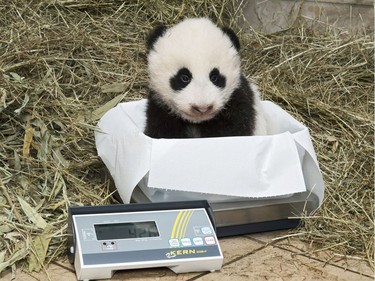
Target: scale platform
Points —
{"points": [[245, 216], [132, 157]]}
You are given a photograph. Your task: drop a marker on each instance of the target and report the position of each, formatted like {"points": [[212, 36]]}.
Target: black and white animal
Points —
{"points": [[197, 88]]}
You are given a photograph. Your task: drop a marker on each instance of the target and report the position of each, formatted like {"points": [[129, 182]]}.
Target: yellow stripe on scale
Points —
{"points": [[187, 220], [180, 224], [173, 234]]}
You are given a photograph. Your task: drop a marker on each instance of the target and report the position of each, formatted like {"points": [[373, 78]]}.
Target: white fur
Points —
{"points": [[260, 122], [198, 45]]}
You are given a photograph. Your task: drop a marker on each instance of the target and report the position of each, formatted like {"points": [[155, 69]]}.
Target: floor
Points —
{"points": [[264, 256]]}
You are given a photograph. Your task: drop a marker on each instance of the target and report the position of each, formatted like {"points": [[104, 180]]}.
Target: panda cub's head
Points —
{"points": [[194, 67]]}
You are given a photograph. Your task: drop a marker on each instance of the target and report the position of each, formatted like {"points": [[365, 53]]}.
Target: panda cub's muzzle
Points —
{"points": [[197, 113]]}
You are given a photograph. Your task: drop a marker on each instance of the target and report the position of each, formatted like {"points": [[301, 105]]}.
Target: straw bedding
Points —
{"points": [[63, 63]]}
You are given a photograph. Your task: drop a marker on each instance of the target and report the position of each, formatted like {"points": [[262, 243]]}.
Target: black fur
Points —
{"points": [[181, 79], [237, 118], [217, 78], [154, 35], [160, 30], [233, 37]]}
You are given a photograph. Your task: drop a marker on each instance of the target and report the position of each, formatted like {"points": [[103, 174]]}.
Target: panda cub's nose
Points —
{"points": [[202, 108]]}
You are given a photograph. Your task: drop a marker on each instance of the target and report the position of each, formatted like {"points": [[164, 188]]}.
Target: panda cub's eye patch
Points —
{"points": [[181, 79], [217, 78]]}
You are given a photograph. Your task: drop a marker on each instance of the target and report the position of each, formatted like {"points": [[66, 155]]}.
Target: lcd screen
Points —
{"points": [[126, 230]]}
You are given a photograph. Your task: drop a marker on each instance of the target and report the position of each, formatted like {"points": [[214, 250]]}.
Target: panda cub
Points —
{"points": [[197, 88]]}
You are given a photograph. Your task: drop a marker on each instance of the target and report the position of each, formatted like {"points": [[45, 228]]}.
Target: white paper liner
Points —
{"points": [[278, 164]]}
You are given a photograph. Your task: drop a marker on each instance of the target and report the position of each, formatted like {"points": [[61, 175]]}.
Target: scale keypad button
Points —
{"points": [[210, 240], [206, 230], [174, 242], [198, 241], [186, 242]]}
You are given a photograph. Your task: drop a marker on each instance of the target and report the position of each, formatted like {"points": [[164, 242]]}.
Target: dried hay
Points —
{"points": [[63, 63]]}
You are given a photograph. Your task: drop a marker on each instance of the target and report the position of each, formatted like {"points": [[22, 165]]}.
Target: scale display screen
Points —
{"points": [[126, 230]]}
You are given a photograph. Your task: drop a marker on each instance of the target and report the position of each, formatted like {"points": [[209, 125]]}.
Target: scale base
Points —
{"points": [[86, 274], [254, 215]]}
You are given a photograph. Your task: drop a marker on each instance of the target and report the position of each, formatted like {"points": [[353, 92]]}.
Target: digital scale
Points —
{"points": [[163, 226], [177, 235]]}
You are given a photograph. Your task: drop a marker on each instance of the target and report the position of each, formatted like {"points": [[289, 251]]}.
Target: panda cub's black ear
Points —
{"points": [[154, 35], [233, 37]]}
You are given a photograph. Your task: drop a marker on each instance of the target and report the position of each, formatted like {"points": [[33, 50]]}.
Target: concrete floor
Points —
{"points": [[264, 256]]}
